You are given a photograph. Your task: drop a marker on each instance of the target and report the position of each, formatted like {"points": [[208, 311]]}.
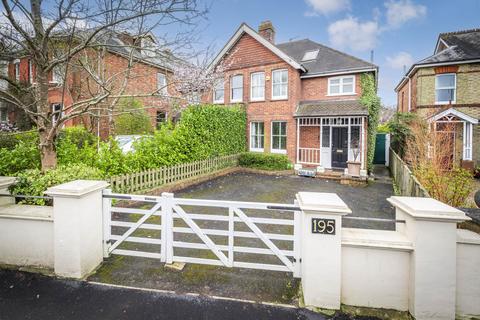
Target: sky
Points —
{"points": [[399, 32]]}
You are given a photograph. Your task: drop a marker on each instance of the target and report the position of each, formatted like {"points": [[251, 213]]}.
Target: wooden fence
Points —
{"points": [[404, 179], [141, 181]]}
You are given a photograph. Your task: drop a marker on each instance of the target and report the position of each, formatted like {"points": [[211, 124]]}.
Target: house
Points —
{"points": [[148, 79], [301, 97], [444, 90]]}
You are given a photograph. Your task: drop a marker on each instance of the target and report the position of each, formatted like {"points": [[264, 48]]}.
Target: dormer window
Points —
{"points": [[310, 55]]}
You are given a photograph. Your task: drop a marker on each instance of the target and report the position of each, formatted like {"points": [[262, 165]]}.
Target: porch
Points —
{"points": [[330, 135]]}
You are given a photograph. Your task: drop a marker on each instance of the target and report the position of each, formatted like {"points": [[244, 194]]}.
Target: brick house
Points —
{"points": [[301, 97], [147, 75], [444, 89]]}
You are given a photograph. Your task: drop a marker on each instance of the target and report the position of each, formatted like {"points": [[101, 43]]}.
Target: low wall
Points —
{"points": [[468, 273], [26, 235]]}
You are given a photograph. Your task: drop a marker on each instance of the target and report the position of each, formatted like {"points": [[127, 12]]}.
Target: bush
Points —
{"points": [[264, 161], [76, 145], [25, 155], [133, 119], [401, 131], [370, 100], [34, 182], [10, 140]]}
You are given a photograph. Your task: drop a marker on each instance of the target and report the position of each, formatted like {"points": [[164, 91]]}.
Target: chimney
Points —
{"points": [[266, 30]]}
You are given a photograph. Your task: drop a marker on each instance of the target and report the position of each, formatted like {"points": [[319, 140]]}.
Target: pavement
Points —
{"points": [[34, 296]]}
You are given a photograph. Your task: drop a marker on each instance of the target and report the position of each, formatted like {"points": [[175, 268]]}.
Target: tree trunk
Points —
{"points": [[47, 152]]}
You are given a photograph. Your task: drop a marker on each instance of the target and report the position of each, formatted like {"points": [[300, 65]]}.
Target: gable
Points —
{"points": [[248, 52]]}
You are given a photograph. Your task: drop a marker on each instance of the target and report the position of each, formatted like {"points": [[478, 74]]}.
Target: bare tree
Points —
{"points": [[63, 37]]}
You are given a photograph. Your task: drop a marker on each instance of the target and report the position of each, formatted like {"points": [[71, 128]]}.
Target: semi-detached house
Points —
{"points": [[301, 97]]}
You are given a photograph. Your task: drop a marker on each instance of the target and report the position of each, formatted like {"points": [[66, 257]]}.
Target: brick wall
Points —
{"points": [[317, 89]]}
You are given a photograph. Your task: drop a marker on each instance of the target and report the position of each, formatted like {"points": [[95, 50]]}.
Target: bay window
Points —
{"points": [[341, 86], [280, 84], [279, 137], [257, 86], [236, 88], [257, 135], [445, 88]]}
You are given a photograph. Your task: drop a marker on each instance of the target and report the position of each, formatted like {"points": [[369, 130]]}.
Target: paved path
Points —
{"points": [[32, 296]]}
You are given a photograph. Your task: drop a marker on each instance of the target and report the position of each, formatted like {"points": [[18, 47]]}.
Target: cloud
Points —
{"points": [[327, 6], [400, 60], [401, 11], [354, 34]]}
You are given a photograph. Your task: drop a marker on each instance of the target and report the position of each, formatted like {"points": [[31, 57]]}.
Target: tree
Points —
{"points": [[69, 36]]}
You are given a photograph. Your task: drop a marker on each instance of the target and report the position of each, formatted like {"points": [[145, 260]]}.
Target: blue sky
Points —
{"points": [[399, 31]]}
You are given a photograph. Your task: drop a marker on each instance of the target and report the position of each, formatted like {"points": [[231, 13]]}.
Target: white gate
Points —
{"points": [[230, 233]]}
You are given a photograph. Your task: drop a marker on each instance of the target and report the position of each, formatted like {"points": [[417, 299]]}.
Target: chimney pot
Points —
{"points": [[267, 31]]}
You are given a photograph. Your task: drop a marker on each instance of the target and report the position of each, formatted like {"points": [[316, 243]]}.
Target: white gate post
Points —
{"points": [[107, 222], [6, 182], [321, 235], [431, 226], [78, 227], [167, 228]]}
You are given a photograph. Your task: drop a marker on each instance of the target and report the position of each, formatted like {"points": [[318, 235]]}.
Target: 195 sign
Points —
{"points": [[324, 226]]}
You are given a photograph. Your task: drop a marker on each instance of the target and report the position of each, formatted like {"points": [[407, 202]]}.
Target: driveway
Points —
{"points": [[33, 296]]}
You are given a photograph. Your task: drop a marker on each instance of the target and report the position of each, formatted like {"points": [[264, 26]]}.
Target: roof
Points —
{"points": [[328, 60], [452, 47], [455, 113], [331, 108]]}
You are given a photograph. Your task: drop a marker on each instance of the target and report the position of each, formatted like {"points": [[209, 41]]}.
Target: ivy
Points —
{"points": [[370, 100]]}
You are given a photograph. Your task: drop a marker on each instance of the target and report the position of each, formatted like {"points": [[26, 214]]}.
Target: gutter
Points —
{"points": [[340, 72]]}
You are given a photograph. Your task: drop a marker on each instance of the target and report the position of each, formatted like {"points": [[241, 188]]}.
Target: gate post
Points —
{"points": [[321, 234], [167, 228], [78, 227]]}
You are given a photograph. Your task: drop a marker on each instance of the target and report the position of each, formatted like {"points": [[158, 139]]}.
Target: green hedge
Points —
{"points": [[264, 161]]}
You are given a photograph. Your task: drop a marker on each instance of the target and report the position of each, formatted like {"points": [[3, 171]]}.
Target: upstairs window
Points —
{"points": [[30, 71], [280, 84], [57, 110], [310, 55], [236, 88], [341, 86], [445, 88], [257, 90], [162, 83], [16, 70], [57, 75], [219, 92]]}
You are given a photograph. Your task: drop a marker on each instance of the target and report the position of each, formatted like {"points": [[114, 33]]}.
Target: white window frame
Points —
{"points": [[446, 88], [54, 115], [231, 88], [162, 87], [340, 84], [251, 135], [282, 151], [217, 87], [30, 71], [281, 83], [56, 76], [16, 70], [251, 87]]}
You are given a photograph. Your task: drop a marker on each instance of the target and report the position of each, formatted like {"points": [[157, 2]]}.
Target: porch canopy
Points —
{"points": [[331, 132], [452, 116]]}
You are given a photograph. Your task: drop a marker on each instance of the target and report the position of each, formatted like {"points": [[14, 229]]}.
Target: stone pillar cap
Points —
{"points": [[428, 209], [6, 182], [76, 189], [322, 202]]}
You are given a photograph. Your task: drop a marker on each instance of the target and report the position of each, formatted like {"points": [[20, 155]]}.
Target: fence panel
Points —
{"points": [[404, 179], [151, 178]]}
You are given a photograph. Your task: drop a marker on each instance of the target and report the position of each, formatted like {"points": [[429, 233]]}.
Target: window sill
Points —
{"points": [[218, 102], [257, 100], [280, 99], [256, 150], [278, 151], [341, 94], [236, 101], [444, 102]]}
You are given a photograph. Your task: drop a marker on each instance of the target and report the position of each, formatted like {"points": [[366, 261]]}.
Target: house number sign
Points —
{"points": [[323, 226]]}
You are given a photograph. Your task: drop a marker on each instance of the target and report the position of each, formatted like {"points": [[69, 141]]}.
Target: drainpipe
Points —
{"points": [[409, 94]]}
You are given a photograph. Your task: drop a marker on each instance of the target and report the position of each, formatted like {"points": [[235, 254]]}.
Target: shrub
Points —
{"points": [[25, 155], [133, 119], [10, 139], [111, 160], [76, 145], [78, 135], [264, 161], [35, 182], [370, 100], [400, 128]]}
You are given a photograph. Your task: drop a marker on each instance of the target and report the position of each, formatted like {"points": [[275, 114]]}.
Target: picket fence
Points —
{"points": [[151, 178], [406, 182]]}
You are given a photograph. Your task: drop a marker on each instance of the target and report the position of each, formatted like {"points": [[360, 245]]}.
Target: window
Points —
{"points": [[310, 55], [325, 137], [161, 118], [279, 137], [219, 92], [162, 83], [57, 75], [16, 70], [30, 71], [236, 88], [341, 85], [445, 88], [257, 135], [354, 137], [280, 84], [3, 115], [56, 111], [257, 90]]}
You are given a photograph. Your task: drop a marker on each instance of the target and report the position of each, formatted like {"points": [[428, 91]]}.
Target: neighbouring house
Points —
{"points": [[148, 78], [444, 89], [301, 97]]}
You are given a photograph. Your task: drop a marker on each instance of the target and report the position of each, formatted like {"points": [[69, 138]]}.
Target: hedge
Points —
{"points": [[264, 161]]}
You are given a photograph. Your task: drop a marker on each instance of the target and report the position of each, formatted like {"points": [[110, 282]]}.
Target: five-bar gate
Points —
{"points": [[225, 233]]}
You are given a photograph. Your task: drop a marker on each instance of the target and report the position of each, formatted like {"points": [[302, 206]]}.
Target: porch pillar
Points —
{"points": [[363, 167], [467, 140]]}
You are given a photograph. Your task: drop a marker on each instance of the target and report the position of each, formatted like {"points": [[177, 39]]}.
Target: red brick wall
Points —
{"points": [[310, 137]]}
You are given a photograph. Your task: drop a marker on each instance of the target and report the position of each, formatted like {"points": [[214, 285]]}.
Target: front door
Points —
{"points": [[339, 147]]}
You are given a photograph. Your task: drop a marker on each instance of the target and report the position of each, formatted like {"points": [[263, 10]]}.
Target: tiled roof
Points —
{"points": [[328, 60], [331, 108]]}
